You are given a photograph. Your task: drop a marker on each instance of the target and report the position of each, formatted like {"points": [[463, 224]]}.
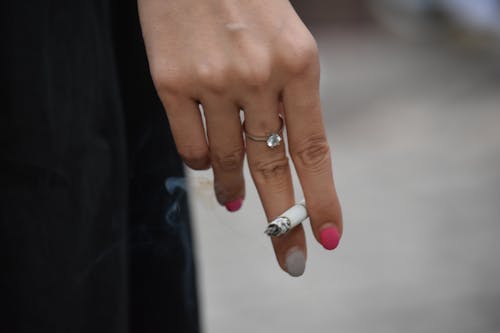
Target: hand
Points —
{"points": [[257, 56]]}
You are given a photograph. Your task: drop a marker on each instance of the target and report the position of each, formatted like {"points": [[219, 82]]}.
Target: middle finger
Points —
{"points": [[270, 171]]}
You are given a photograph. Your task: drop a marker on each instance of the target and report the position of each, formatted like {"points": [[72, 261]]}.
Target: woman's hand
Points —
{"points": [[257, 56]]}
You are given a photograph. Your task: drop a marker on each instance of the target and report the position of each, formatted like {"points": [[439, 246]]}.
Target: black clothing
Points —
{"points": [[94, 225]]}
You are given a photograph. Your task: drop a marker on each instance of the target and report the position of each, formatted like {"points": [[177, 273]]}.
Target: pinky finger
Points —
{"points": [[187, 129]]}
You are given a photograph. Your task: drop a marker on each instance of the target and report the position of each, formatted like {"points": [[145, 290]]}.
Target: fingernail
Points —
{"points": [[295, 262], [329, 238], [234, 205]]}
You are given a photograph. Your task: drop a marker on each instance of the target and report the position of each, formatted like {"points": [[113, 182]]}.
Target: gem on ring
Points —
{"points": [[273, 140]]}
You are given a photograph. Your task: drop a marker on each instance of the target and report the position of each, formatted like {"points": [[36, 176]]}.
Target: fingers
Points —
{"points": [[310, 152], [227, 151], [188, 132], [271, 174]]}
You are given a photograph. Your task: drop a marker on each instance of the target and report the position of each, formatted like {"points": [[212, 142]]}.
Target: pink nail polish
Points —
{"points": [[329, 238], [234, 205]]}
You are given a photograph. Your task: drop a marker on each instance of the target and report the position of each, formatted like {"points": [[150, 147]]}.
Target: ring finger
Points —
{"points": [[227, 151]]}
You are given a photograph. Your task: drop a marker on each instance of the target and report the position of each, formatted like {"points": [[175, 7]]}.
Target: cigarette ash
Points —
{"points": [[278, 227]]}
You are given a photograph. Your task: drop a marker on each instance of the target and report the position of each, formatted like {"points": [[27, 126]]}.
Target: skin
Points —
{"points": [[256, 56]]}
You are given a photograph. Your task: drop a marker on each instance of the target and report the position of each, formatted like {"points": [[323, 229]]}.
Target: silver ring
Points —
{"points": [[272, 140]]}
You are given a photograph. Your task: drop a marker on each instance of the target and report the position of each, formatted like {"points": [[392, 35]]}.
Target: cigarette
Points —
{"points": [[288, 220]]}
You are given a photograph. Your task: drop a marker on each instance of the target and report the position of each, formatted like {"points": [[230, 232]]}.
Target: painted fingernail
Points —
{"points": [[234, 205], [329, 238], [295, 262]]}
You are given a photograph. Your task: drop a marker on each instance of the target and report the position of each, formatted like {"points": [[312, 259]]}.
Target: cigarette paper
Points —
{"points": [[288, 220]]}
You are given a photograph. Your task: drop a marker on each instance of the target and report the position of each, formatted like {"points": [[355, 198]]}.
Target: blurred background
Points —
{"points": [[411, 96]]}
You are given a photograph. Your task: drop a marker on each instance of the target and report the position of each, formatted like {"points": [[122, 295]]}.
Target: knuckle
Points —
{"points": [[266, 171], [256, 71], [195, 157], [213, 77], [301, 56], [228, 162], [168, 80], [256, 76], [313, 154]]}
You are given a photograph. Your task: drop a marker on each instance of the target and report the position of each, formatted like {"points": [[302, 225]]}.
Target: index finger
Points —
{"points": [[310, 152]]}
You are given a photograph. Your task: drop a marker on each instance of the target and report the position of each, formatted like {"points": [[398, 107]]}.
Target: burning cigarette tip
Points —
{"points": [[288, 220]]}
